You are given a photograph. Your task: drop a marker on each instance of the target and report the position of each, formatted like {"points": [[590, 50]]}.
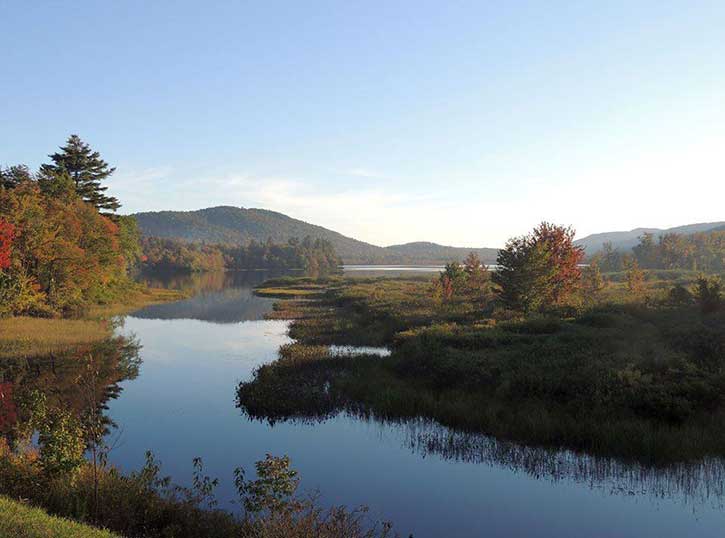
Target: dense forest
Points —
{"points": [[62, 247], [312, 255], [703, 251]]}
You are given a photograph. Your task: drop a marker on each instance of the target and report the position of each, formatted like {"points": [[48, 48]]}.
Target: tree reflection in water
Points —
{"points": [[73, 381]]}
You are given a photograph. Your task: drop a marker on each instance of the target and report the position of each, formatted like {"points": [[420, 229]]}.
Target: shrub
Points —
{"points": [[708, 293]]}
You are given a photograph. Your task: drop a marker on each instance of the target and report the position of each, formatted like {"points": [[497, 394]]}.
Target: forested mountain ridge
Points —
{"points": [[238, 225], [434, 251], [625, 240]]}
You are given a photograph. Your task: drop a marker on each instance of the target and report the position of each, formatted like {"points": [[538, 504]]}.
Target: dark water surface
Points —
{"points": [[428, 480]]}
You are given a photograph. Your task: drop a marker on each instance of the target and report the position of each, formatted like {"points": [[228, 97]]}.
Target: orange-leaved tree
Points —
{"points": [[540, 270]]}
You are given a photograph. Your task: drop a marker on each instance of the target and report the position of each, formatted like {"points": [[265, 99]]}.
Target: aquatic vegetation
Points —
{"points": [[33, 337], [640, 382]]}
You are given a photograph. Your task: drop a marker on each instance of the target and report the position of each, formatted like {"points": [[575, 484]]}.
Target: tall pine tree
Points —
{"points": [[86, 169], [13, 176]]}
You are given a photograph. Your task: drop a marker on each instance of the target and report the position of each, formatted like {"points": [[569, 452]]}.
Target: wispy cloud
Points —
{"points": [[651, 189], [370, 212], [365, 173]]}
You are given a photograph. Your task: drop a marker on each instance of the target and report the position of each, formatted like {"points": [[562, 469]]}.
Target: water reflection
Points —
{"points": [[307, 387], [217, 297], [75, 380], [430, 480], [694, 483]]}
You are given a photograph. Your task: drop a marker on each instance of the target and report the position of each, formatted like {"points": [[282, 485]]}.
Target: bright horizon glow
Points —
{"points": [[459, 124]]}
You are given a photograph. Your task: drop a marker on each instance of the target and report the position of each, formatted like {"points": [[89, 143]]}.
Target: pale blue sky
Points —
{"points": [[456, 122]]}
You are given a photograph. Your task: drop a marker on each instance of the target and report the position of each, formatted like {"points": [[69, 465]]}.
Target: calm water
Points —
{"points": [[427, 480], [393, 268]]}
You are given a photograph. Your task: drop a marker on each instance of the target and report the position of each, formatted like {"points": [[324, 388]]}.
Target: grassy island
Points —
{"points": [[635, 374]]}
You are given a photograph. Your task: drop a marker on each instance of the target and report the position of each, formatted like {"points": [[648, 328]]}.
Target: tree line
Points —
{"points": [[544, 271], [703, 251], [61, 245], [314, 255]]}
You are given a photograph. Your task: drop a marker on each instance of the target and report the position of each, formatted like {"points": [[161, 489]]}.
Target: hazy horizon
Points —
{"points": [[578, 236], [457, 124]]}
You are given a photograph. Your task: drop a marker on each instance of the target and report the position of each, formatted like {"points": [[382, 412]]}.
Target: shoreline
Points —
{"points": [[27, 336]]}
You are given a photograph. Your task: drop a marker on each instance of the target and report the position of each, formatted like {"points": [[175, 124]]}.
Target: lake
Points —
{"points": [[427, 480]]}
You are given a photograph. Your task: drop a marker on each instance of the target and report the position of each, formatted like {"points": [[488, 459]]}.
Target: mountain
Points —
{"points": [[238, 225], [422, 250], [627, 240]]}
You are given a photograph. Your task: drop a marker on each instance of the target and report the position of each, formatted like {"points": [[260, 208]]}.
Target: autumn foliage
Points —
{"points": [[564, 259], [64, 255], [7, 233], [541, 270], [58, 252]]}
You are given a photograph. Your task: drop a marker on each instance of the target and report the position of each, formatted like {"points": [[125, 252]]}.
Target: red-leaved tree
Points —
{"points": [[558, 241], [7, 233], [540, 270]]}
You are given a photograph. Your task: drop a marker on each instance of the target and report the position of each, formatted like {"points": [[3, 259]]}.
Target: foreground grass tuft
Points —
{"points": [[20, 521]]}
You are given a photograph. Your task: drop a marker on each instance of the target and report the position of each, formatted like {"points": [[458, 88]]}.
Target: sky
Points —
{"points": [[462, 123]]}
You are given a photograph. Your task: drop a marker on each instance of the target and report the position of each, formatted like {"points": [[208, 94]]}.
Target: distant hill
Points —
{"points": [[627, 240], [238, 225], [434, 252]]}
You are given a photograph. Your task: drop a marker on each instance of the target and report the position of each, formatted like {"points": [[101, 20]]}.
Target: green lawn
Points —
{"points": [[20, 521]]}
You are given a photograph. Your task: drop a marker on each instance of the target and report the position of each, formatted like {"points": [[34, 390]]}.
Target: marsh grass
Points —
{"points": [[634, 378], [283, 293], [309, 384], [37, 337], [133, 300], [23, 336]]}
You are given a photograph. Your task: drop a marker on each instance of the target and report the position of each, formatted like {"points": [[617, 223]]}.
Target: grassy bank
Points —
{"points": [[24, 336], [135, 298], [18, 520], [636, 378]]}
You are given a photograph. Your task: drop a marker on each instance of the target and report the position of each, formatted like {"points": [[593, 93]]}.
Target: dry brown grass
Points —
{"points": [[24, 336], [134, 300], [287, 293]]}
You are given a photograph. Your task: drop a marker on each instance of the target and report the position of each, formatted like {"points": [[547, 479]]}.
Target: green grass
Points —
{"points": [[21, 521]]}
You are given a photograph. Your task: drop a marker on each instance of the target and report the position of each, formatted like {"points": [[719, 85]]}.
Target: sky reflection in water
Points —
{"points": [[426, 479]]}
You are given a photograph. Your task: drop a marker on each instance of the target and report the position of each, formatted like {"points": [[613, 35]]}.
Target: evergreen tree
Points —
{"points": [[86, 169], [13, 176]]}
